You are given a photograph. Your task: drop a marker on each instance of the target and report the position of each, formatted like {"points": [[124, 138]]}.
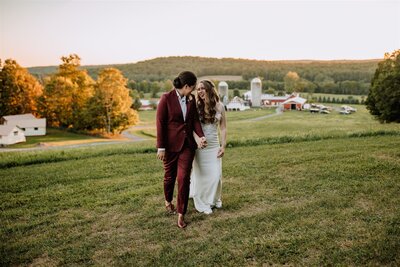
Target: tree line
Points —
{"points": [[103, 98], [332, 77], [69, 98]]}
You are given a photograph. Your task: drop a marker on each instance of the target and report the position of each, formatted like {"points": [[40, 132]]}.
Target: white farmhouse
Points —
{"points": [[237, 104], [30, 125], [10, 134], [146, 105]]}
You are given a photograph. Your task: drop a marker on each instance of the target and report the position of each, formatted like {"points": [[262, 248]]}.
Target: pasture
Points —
{"points": [[298, 189]]}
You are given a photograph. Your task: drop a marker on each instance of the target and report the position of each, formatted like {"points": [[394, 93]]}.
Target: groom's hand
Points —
{"points": [[203, 142], [161, 155]]}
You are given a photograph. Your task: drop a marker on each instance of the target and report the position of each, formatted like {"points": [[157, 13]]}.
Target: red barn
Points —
{"points": [[294, 103]]}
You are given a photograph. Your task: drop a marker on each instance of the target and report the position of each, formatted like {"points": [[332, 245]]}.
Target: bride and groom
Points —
{"points": [[185, 123]]}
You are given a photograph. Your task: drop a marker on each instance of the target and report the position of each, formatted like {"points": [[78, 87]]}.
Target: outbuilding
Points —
{"points": [[294, 103], [10, 134], [27, 123]]}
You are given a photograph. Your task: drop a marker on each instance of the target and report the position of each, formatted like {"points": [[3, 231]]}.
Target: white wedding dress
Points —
{"points": [[206, 184]]}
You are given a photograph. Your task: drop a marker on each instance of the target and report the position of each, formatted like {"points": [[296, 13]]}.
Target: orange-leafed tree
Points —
{"points": [[19, 90], [291, 81], [66, 95], [110, 106]]}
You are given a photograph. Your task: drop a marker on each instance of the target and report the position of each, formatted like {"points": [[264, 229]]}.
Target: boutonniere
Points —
{"points": [[190, 98]]}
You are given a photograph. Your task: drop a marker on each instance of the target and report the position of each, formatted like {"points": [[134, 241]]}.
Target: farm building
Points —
{"points": [[11, 134], [256, 88], [294, 103], [223, 89], [146, 105], [30, 125], [237, 104], [270, 100]]}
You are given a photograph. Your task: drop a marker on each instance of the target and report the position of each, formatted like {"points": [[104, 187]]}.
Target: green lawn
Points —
{"points": [[298, 189], [299, 124]]}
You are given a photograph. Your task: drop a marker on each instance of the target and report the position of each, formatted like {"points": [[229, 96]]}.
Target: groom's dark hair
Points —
{"points": [[185, 77]]}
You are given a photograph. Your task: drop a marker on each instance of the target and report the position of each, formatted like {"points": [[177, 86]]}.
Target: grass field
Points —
{"points": [[291, 124], [298, 189]]}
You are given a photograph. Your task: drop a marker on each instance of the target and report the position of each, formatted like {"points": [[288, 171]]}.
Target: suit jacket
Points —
{"points": [[171, 128]]}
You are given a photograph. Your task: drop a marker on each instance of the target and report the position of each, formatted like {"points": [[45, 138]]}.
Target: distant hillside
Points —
{"points": [[168, 67]]}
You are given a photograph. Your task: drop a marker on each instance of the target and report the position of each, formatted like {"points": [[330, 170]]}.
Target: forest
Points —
{"points": [[351, 77]]}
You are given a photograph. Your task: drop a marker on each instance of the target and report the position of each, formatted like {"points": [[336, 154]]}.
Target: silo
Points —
{"points": [[255, 92], [223, 92]]}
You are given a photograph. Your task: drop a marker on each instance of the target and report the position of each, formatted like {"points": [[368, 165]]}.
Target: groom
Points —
{"points": [[176, 120]]}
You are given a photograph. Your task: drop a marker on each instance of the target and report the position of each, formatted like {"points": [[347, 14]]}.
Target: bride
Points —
{"points": [[206, 184]]}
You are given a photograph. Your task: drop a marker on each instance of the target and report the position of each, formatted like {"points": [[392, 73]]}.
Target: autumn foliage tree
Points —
{"points": [[291, 81], [110, 107], [384, 96], [66, 95], [19, 90]]}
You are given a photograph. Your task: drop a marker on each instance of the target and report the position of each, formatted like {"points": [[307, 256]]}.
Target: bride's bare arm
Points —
{"points": [[222, 128]]}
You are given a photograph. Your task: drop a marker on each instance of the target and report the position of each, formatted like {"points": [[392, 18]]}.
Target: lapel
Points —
{"points": [[188, 103]]}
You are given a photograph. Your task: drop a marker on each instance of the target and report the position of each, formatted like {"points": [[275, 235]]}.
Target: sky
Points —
{"points": [[40, 32]]}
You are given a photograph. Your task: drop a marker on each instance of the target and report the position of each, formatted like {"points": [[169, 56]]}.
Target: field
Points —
{"points": [[298, 189], [291, 125]]}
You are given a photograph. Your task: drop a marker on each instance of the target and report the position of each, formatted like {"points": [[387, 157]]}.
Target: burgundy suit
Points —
{"points": [[176, 135]]}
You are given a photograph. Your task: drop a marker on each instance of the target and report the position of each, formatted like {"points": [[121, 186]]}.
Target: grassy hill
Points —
{"points": [[168, 67], [298, 189]]}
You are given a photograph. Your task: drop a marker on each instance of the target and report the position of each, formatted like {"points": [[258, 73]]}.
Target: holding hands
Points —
{"points": [[203, 142]]}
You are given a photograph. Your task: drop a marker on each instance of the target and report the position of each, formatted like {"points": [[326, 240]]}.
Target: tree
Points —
{"points": [[270, 91], [66, 95], [111, 104], [168, 85], [291, 80], [155, 88], [135, 95], [132, 85], [19, 90], [384, 96]]}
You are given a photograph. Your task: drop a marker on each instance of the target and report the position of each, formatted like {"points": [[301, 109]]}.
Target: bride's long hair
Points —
{"points": [[206, 108]]}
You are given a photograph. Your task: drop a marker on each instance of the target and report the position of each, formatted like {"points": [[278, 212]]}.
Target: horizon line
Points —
{"points": [[177, 56]]}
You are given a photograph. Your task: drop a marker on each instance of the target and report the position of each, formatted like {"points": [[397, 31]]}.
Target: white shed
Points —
{"points": [[28, 123], [237, 104], [10, 134]]}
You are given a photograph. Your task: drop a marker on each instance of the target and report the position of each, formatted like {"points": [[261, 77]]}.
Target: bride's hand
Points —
{"points": [[203, 142], [221, 152]]}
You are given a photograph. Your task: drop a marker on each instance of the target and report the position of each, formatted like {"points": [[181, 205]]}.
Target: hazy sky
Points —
{"points": [[38, 33]]}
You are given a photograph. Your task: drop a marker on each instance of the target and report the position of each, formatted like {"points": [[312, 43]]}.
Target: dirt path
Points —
{"points": [[278, 111]]}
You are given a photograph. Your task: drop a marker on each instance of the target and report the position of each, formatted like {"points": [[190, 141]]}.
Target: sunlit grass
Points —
{"points": [[291, 123], [327, 202], [298, 189]]}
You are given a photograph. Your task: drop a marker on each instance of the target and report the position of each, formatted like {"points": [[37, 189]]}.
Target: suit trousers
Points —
{"points": [[178, 165]]}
